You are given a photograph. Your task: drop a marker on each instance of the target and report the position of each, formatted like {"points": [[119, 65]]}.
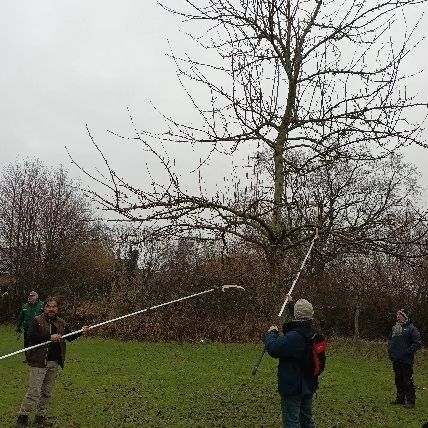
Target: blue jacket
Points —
{"points": [[290, 349], [403, 343]]}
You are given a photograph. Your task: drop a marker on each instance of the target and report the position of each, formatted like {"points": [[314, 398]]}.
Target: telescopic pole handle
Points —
{"points": [[256, 366]]}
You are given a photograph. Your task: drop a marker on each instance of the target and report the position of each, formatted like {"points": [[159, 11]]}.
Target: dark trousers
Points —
{"points": [[297, 411], [26, 345], [404, 382], [26, 341]]}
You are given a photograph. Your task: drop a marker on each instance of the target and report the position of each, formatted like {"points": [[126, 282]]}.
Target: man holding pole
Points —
{"points": [[295, 386], [44, 362]]}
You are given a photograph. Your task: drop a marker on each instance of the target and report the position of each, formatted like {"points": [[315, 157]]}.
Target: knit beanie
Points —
{"points": [[303, 310], [405, 314]]}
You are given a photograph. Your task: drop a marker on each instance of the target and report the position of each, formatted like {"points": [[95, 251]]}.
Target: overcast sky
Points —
{"points": [[67, 63]]}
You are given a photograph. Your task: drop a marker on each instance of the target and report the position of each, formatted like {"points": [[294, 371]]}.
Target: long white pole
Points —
{"points": [[222, 287], [298, 274]]}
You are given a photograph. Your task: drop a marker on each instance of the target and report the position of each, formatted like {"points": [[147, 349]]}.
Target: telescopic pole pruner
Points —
{"points": [[221, 287], [256, 366]]}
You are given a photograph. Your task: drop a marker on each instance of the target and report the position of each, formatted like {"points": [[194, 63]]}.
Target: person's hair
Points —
{"points": [[50, 299]]}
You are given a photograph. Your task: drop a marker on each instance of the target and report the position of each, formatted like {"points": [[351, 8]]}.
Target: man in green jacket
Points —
{"points": [[28, 311]]}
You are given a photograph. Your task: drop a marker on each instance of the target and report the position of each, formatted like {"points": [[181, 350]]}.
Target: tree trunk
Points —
{"points": [[357, 318]]}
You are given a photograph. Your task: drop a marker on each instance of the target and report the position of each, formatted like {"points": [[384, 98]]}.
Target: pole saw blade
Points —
{"points": [[225, 287]]}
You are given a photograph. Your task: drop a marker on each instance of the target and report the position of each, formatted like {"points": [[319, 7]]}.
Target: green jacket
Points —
{"points": [[27, 314]]}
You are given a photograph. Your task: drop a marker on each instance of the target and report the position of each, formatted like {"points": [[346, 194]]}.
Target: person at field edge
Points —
{"points": [[44, 362], [404, 340], [295, 386], [29, 310]]}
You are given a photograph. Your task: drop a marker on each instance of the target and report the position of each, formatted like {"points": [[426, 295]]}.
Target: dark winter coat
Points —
{"points": [[40, 331], [291, 350], [27, 314], [403, 343]]}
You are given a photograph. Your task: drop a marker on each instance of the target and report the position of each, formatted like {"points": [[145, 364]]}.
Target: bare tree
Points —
{"points": [[285, 78], [361, 207], [43, 217]]}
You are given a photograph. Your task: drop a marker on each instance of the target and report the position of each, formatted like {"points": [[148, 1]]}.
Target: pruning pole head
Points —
{"points": [[225, 287]]}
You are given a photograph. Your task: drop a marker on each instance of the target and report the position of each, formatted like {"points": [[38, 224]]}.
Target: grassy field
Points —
{"points": [[113, 384]]}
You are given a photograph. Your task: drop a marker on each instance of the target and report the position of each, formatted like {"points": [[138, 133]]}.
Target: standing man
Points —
{"points": [[44, 362], [404, 341], [295, 385], [28, 311]]}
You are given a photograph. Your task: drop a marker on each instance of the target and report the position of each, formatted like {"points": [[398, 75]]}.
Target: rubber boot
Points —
{"points": [[409, 404], [22, 421]]}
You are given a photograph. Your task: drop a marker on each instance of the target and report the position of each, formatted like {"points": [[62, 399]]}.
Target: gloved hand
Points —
{"points": [[19, 330]]}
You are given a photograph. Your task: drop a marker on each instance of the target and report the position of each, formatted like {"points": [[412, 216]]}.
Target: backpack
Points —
{"points": [[314, 363]]}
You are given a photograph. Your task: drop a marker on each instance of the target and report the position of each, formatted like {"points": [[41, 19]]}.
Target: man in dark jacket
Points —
{"points": [[295, 386], [404, 341], [44, 362], [28, 311]]}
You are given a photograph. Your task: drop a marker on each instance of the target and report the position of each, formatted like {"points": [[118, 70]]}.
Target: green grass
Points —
{"points": [[113, 384]]}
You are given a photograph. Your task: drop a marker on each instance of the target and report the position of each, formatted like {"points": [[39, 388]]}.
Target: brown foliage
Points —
{"points": [[379, 289]]}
